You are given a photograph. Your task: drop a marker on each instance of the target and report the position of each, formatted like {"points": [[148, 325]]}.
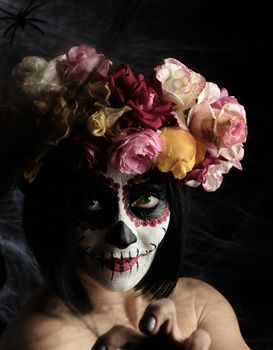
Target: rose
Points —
{"points": [[80, 155], [233, 155], [83, 60], [143, 95], [218, 122], [137, 153], [180, 84], [104, 119], [231, 126], [223, 99], [214, 175], [34, 78], [180, 152], [198, 174], [209, 173]]}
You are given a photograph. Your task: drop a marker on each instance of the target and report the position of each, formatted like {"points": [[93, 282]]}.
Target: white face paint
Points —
{"points": [[123, 222]]}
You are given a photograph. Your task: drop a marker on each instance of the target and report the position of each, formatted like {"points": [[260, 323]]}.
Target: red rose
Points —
{"points": [[143, 95]]}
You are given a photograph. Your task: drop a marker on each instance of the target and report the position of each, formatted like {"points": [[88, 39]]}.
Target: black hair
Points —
{"points": [[51, 203]]}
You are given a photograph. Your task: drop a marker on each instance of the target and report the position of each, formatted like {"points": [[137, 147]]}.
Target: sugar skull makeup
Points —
{"points": [[120, 226]]}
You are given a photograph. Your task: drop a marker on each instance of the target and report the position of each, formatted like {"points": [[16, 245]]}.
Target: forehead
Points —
{"points": [[124, 179]]}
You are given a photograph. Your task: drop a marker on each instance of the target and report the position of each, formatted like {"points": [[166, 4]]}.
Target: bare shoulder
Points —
{"points": [[196, 291], [44, 323], [213, 313], [202, 293], [204, 297]]}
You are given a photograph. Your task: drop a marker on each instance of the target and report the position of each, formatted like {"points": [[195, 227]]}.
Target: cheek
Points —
{"points": [[88, 239], [161, 220], [152, 234]]}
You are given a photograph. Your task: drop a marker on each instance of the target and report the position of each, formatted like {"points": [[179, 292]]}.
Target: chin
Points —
{"points": [[120, 281]]}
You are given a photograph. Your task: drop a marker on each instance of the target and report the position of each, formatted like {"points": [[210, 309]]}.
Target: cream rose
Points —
{"points": [[180, 84], [33, 77]]}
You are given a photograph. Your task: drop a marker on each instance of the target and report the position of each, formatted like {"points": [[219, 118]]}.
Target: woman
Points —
{"points": [[107, 158]]}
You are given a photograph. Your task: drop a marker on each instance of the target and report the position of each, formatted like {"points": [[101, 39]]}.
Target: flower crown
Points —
{"points": [[172, 120]]}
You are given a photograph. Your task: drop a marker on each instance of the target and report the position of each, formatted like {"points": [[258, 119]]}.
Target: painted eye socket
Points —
{"points": [[146, 201], [94, 205]]}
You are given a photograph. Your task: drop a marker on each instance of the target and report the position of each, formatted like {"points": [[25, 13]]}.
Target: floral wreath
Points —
{"points": [[172, 120]]}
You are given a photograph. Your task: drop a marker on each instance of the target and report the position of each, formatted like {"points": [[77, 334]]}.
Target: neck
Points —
{"points": [[100, 295], [104, 300]]}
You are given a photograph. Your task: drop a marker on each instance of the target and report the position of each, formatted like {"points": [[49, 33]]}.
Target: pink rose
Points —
{"points": [[231, 125], [82, 61], [223, 99], [233, 155], [214, 175], [137, 153], [218, 125]]}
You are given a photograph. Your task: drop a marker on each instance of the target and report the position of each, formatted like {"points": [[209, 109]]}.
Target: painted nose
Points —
{"points": [[120, 236]]}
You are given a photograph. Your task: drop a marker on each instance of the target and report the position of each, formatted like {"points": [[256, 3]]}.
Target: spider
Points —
{"points": [[21, 19]]}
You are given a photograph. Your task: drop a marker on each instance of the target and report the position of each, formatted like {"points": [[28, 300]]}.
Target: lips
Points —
{"points": [[120, 265]]}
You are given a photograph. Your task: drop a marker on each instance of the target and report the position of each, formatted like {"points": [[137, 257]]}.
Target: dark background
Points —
{"points": [[231, 242]]}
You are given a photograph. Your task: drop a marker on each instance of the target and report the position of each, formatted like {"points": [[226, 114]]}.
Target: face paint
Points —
{"points": [[120, 227]]}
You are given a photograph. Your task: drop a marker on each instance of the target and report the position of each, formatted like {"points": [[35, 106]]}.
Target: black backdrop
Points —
{"points": [[231, 246]]}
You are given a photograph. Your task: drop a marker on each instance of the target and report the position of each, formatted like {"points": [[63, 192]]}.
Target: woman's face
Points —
{"points": [[121, 224]]}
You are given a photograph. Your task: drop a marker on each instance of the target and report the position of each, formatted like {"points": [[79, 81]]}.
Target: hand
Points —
{"points": [[158, 329]]}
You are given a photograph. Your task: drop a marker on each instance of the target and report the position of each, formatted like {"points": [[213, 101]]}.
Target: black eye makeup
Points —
{"points": [[99, 207], [94, 205], [146, 200]]}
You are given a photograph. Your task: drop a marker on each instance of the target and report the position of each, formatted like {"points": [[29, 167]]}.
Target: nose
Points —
{"points": [[120, 236]]}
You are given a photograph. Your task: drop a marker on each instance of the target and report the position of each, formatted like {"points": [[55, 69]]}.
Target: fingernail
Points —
{"points": [[99, 346], [147, 323]]}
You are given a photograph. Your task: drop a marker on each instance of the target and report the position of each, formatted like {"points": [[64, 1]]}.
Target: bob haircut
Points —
{"points": [[50, 205]]}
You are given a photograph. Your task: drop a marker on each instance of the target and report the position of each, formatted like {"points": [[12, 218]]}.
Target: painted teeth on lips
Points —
{"points": [[120, 265]]}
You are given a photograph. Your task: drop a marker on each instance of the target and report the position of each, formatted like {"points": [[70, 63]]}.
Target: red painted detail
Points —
{"points": [[108, 181], [152, 222], [120, 265], [135, 180]]}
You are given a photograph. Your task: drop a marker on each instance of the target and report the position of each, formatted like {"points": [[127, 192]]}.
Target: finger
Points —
{"points": [[199, 340], [161, 314], [116, 338]]}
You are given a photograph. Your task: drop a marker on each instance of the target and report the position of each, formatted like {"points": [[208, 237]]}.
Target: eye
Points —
{"points": [[146, 201], [93, 205]]}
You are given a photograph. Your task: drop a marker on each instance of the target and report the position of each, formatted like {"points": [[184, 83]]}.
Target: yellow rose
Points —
{"points": [[105, 118], [96, 124], [181, 151]]}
